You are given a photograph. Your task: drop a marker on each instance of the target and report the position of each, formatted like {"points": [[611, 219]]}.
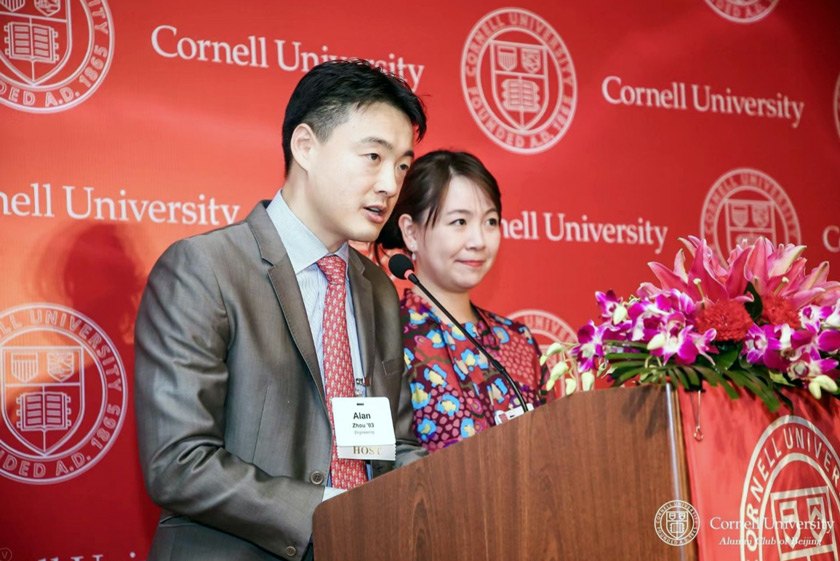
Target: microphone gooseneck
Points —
{"points": [[402, 268]]}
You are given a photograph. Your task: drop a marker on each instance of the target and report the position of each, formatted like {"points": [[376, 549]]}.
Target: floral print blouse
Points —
{"points": [[455, 392]]}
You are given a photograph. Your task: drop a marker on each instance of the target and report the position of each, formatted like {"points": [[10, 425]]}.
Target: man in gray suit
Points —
{"points": [[235, 438]]}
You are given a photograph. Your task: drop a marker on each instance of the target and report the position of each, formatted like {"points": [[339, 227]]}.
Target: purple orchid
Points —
{"points": [[675, 338], [760, 340], [811, 364], [612, 307], [700, 308], [590, 346]]}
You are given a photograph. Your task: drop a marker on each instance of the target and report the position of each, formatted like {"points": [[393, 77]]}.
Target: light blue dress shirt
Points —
{"points": [[304, 250]]}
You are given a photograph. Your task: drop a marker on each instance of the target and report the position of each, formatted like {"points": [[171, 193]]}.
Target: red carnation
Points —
{"points": [[728, 317], [778, 310]]}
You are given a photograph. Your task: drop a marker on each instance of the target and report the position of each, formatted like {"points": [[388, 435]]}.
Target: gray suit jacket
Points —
{"points": [[234, 436]]}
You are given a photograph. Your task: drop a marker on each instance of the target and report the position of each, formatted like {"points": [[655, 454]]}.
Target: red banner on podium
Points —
{"points": [[765, 486]]}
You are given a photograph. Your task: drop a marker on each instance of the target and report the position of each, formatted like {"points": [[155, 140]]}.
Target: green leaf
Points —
{"points": [[626, 363], [723, 381], [624, 344], [729, 388], [677, 375], [727, 357], [692, 375], [771, 401], [626, 356], [703, 361], [738, 377], [652, 376], [621, 368], [709, 374], [755, 307], [628, 375], [754, 383], [715, 379], [784, 399]]}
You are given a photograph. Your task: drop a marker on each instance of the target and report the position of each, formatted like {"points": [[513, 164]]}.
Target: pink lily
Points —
{"points": [[779, 271], [706, 279]]}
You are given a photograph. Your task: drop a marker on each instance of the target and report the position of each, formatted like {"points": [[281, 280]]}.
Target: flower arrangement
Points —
{"points": [[758, 321]]}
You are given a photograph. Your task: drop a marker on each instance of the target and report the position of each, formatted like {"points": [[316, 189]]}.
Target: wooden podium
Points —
{"points": [[580, 478]]}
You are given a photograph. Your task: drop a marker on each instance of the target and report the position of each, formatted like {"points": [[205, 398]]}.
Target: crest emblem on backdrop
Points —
{"points": [[790, 488], [53, 53], [63, 388], [743, 11], [744, 204], [546, 329], [518, 80], [47, 384]]}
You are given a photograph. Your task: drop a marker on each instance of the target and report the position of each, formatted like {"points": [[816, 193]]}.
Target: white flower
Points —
{"points": [[553, 349], [820, 383]]}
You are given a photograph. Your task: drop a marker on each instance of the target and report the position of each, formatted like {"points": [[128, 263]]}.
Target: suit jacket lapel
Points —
{"points": [[283, 281], [363, 307]]}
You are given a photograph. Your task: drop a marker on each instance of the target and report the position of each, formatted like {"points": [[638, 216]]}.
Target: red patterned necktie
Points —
{"points": [[338, 366]]}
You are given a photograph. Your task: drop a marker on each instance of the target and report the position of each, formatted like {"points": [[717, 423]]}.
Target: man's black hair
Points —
{"points": [[325, 95]]}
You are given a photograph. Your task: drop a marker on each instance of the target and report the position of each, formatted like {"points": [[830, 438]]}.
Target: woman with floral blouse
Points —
{"points": [[448, 218]]}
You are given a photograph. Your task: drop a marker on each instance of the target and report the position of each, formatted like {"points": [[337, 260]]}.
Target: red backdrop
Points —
{"points": [[613, 128]]}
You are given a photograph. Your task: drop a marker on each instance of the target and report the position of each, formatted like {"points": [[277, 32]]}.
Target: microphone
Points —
{"points": [[401, 267]]}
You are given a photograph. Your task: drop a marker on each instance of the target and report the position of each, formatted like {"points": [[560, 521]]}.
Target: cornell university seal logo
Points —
{"points": [[63, 387], [743, 11], [518, 80], [676, 523], [744, 204], [790, 504], [545, 327], [53, 53]]}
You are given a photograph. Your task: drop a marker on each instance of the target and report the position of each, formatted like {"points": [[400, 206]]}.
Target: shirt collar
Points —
{"points": [[303, 247]]}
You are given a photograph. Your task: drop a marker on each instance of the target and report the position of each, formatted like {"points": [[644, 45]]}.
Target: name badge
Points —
{"points": [[504, 416], [364, 429]]}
